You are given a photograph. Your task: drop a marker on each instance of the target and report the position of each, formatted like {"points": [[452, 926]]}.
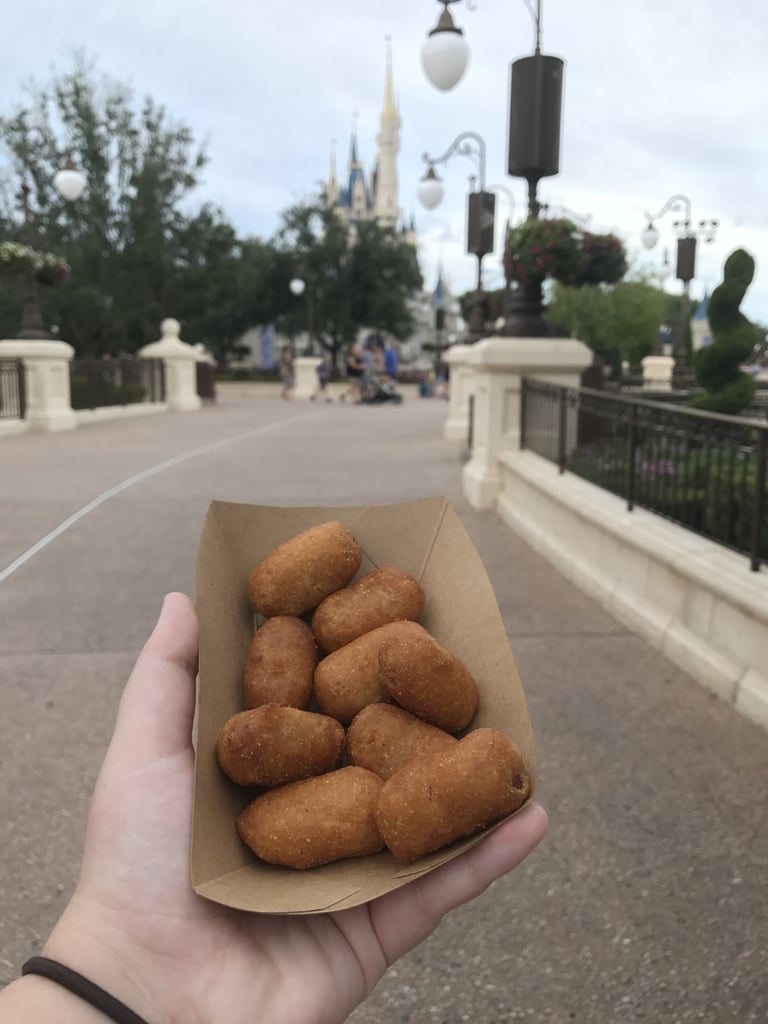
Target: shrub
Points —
{"points": [[717, 367]]}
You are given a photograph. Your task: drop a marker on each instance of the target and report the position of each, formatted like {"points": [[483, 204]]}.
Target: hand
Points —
{"points": [[135, 927]]}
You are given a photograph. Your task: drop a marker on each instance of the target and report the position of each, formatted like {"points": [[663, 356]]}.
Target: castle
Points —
{"points": [[362, 198]]}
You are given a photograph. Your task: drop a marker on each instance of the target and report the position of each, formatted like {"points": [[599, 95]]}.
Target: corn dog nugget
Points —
{"points": [[385, 595], [315, 821], [446, 796], [426, 679], [272, 745], [295, 577], [384, 738], [280, 664], [350, 678]]}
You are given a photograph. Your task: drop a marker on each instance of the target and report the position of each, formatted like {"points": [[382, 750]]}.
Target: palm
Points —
{"points": [[330, 960], [208, 962]]}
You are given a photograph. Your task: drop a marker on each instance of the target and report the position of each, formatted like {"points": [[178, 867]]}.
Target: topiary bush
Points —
{"points": [[717, 367]]}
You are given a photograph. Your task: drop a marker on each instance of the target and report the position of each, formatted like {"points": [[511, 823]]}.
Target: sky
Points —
{"points": [[659, 99]]}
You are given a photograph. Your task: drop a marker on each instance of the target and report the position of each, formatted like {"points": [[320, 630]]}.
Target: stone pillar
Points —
{"points": [[657, 373], [456, 427], [46, 365], [499, 364], [304, 376], [180, 361]]}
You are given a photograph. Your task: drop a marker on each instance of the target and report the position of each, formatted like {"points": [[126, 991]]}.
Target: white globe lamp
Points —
{"points": [[445, 54], [69, 182], [297, 286], [650, 235], [430, 190]]}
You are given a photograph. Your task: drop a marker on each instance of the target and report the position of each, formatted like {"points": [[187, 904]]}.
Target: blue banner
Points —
{"points": [[268, 347]]}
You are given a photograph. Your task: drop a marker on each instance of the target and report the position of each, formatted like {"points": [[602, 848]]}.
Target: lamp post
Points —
{"points": [[507, 290], [481, 211], [298, 286], [535, 108], [69, 182], [685, 270]]}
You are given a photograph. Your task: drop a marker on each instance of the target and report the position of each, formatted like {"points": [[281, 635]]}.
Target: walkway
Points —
{"points": [[647, 900]]}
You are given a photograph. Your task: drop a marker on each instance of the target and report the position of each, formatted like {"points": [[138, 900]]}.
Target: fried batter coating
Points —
{"points": [[295, 577], [280, 664], [349, 678], [272, 745], [316, 821], [443, 797], [384, 739], [385, 595], [426, 679]]}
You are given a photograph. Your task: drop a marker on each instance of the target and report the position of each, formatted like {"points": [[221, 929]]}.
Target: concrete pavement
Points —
{"points": [[647, 900]]}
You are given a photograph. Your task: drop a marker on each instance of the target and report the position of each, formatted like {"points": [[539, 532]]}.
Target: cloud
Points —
{"points": [[659, 98]]}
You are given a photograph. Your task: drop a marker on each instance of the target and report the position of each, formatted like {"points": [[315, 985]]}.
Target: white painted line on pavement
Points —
{"points": [[23, 558]]}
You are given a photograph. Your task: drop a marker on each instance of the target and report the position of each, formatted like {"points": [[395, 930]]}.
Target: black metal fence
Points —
{"points": [[705, 472], [13, 396], [121, 381], [206, 381]]}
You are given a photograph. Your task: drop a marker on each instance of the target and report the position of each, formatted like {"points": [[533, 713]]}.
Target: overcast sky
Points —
{"points": [[660, 98]]}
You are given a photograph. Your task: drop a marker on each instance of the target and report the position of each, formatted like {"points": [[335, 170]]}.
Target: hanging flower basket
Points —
{"points": [[53, 274], [537, 249], [540, 248], [16, 258], [605, 261]]}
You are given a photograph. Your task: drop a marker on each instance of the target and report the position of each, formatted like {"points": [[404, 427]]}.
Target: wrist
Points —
{"points": [[35, 1000], [87, 942]]}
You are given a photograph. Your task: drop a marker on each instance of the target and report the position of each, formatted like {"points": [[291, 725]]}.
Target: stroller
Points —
{"points": [[376, 389]]}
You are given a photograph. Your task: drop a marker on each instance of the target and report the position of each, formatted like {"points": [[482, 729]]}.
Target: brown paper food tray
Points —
{"points": [[424, 538]]}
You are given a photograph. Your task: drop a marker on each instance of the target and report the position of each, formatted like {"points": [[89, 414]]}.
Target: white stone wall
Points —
{"points": [[693, 600]]}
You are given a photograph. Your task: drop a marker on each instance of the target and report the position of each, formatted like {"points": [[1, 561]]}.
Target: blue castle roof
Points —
{"points": [[702, 309]]}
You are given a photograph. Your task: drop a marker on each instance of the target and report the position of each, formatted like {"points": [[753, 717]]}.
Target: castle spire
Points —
{"points": [[332, 188], [332, 180], [390, 107], [385, 199], [353, 157]]}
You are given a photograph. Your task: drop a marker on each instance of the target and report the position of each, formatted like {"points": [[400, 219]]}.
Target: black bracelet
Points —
{"points": [[80, 986]]}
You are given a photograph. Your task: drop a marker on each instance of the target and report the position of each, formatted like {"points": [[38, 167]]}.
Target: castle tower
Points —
{"points": [[357, 191], [332, 188], [385, 207]]}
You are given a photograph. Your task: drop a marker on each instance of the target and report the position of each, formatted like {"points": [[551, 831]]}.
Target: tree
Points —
{"points": [[353, 280], [122, 236], [618, 322]]}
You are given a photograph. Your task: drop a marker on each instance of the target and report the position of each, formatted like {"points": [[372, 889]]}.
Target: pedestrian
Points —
{"points": [[135, 944], [286, 371], [323, 371], [391, 359], [355, 369]]}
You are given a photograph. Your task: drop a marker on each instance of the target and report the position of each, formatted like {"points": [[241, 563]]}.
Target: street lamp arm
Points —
{"points": [[679, 198], [464, 148]]}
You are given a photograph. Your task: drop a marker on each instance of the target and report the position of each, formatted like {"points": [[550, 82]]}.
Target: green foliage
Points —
{"points": [[727, 389], [141, 249], [702, 488], [17, 258], [353, 282], [617, 323], [122, 234], [82, 393]]}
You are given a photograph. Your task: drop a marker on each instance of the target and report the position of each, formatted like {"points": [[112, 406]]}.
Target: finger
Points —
{"points": [[158, 703], [405, 917]]}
